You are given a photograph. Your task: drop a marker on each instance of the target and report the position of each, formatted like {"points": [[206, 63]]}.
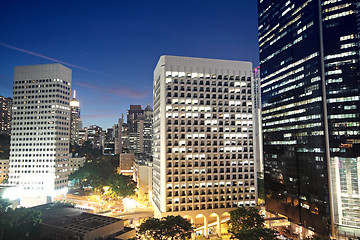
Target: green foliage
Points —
{"points": [[170, 227], [247, 224], [18, 224], [121, 186], [95, 173], [101, 172], [4, 205], [4, 146]]}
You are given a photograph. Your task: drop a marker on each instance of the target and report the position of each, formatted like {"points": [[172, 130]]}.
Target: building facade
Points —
{"points": [[96, 136], [75, 121], [4, 170], [309, 59], [144, 130], [109, 142], [133, 118], [40, 129], [5, 115], [203, 159]]}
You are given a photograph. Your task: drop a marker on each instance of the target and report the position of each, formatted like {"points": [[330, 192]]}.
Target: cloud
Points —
{"points": [[118, 90], [51, 59]]}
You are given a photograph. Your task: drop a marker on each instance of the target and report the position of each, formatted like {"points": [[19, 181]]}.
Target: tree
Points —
{"points": [[121, 185], [173, 227], [96, 172], [152, 228], [247, 224], [19, 224]]}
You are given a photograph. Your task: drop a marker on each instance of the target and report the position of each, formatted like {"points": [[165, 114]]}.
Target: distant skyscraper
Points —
{"points": [[5, 115], [258, 144], [203, 155], [309, 59], [145, 133], [40, 133], [96, 136], [76, 123], [121, 141], [138, 130], [109, 142], [133, 118]]}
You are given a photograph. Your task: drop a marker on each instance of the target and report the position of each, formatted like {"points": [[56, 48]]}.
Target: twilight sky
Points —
{"points": [[112, 46]]}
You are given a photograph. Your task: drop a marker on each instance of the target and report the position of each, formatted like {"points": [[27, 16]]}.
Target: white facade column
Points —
{"points": [[218, 219], [206, 227]]}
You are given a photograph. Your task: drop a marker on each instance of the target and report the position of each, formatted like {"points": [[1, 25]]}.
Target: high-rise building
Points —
{"points": [[109, 142], [258, 144], [133, 118], [5, 115], [96, 136], [203, 159], [138, 130], [144, 130], [309, 59], [83, 136], [75, 120], [121, 141], [40, 130]]}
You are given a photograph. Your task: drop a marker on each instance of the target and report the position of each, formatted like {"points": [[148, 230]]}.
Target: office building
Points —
{"points": [[144, 129], [40, 130], [109, 142], [75, 120], [121, 141], [135, 136], [134, 114], [83, 136], [258, 144], [309, 59], [4, 170], [96, 136], [75, 163], [142, 175], [5, 115], [126, 163], [203, 159]]}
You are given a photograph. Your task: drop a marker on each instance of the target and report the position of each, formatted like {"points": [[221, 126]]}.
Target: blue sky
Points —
{"points": [[113, 46]]}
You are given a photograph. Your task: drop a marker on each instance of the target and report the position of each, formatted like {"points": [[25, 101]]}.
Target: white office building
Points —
{"points": [[40, 131], [203, 153]]}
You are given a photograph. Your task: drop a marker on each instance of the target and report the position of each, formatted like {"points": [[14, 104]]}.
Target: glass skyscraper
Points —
{"points": [[310, 80]]}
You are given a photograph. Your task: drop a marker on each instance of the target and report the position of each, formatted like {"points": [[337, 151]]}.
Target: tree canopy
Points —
{"points": [[121, 185], [95, 172], [247, 224], [100, 173], [170, 227], [18, 224]]}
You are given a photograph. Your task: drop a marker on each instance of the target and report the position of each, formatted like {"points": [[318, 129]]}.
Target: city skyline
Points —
{"points": [[112, 49]]}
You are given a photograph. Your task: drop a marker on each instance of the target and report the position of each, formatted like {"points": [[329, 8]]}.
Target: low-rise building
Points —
{"points": [[143, 177], [63, 222], [75, 163], [126, 164]]}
